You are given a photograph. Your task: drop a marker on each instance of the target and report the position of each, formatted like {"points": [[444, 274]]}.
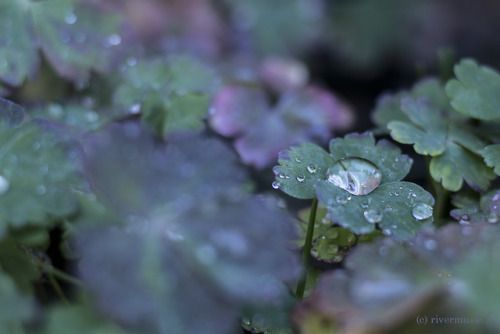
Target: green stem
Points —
{"points": [[301, 286], [442, 197], [58, 289], [57, 273]]}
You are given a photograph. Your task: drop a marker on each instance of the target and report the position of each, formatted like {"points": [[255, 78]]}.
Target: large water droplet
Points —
{"points": [[301, 178], [373, 216], [311, 169], [4, 185], [357, 176], [422, 211]]}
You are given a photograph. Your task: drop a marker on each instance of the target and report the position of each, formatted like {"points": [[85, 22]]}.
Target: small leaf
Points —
{"points": [[399, 208], [475, 91], [457, 164], [388, 106], [427, 131], [38, 173], [392, 165], [299, 169], [491, 156]]}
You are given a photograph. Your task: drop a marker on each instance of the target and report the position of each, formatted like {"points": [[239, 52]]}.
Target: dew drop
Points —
{"points": [[387, 231], [341, 199], [36, 146], [421, 211], [492, 218], [246, 321], [4, 185], [464, 220], [297, 159], [357, 176], [301, 178], [389, 208], [70, 18], [365, 204], [276, 185], [311, 169], [373, 216], [495, 204]]}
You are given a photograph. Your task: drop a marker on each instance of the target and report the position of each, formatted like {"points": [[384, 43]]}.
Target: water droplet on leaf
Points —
{"points": [[311, 169], [276, 185], [298, 159], [387, 231], [464, 220], [40, 189], [421, 211], [373, 216], [4, 185], [301, 178], [135, 108], [357, 176], [341, 199]]}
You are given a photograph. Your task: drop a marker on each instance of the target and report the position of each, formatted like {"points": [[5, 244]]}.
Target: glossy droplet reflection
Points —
{"points": [[373, 216], [422, 211], [301, 178], [357, 176], [311, 169]]}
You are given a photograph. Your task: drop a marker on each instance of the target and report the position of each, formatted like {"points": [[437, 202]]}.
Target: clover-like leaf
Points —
{"points": [[475, 91], [16, 307], [453, 144], [457, 164], [427, 131], [172, 94], [300, 167], [197, 235], [399, 208], [74, 37], [386, 157], [38, 172], [491, 156], [388, 107], [306, 114]]}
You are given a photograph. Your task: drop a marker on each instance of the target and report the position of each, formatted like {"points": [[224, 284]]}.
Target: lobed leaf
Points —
{"points": [[400, 209], [457, 164], [475, 90], [299, 169], [491, 155], [427, 131], [392, 165]]}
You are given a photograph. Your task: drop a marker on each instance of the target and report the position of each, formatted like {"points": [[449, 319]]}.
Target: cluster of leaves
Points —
{"points": [[119, 178]]}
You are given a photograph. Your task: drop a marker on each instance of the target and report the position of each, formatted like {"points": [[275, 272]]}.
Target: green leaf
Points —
{"points": [[16, 307], [427, 131], [388, 107], [387, 157], [399, 208], [491, 155], [39, 171], [77, 319], [172, 94], [17, 264], [11, 114], [299, 169], [457, 164], [475, 91], [74, 37]]}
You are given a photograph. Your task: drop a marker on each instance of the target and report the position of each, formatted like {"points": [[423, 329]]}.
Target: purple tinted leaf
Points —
{"points": [[283, 74], [235, 107]]}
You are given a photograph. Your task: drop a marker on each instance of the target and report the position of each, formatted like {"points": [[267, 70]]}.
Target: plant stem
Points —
{"points": [[442, 197], [306, 252], [57, 273], [57, 288]]}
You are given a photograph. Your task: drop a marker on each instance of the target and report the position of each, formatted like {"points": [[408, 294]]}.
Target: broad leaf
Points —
{"points": [[399, 208], [38, 174], [198, 238], [475, 91], [74, 37]]}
